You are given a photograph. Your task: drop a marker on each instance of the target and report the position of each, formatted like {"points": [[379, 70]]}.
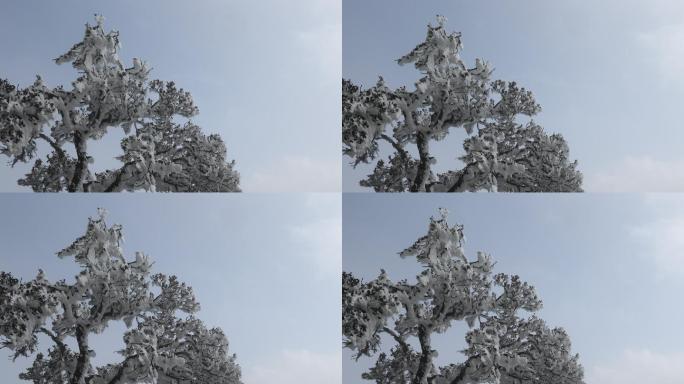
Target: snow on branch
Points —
{"points": [[506, 342], [159, 154], [502, 153], [160, 345]]}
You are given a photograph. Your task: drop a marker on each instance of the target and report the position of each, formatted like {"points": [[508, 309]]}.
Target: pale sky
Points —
{"points": [[608, 74], [608, 267], [264, 267], [264, 74]]}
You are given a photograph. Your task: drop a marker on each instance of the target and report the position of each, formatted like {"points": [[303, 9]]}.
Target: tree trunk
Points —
{"points": [[425, 357], [424, 164], [83, 361], [81, 162]]}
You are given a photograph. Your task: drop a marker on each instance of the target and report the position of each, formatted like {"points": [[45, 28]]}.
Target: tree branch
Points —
{"points": [[81, 162], [119, 373], [83, 356], [461, 375], [424, 163], [57, 340], [53, 144], [119, 177], [398, 338], [456, 187], [402, 152], [425, 357]]}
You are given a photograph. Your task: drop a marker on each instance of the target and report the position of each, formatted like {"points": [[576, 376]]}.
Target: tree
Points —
{"points": [[501, 154], [506, 342], [160, 348], [159, 153]]}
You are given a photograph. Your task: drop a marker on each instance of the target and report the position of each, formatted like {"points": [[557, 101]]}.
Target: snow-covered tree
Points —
{"points": [[159, 152], [160, 346], [502, 153], [506, 342]]}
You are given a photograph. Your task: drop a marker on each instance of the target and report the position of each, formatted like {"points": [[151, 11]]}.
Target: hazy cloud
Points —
{"points": [[322, 239], [298, 367], [665, 50], [321, 43], [638, 174], [637, 367], [322, 49], [295, 174], [663, 243]]}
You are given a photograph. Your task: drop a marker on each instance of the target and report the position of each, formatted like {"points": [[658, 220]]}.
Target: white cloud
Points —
{"points": [[662, 42], [322, 48], [296, 174], [297, 367], [639, 367], [321, 239], [664, 205], [663, 243], [665, 51], [662, 10], [317, 40], [638, 174], [660, 239]]}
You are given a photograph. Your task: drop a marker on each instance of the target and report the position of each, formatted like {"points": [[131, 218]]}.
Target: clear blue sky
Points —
{"points": [[609, 268], [264, 74], [609, 75], [264, 267]]}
